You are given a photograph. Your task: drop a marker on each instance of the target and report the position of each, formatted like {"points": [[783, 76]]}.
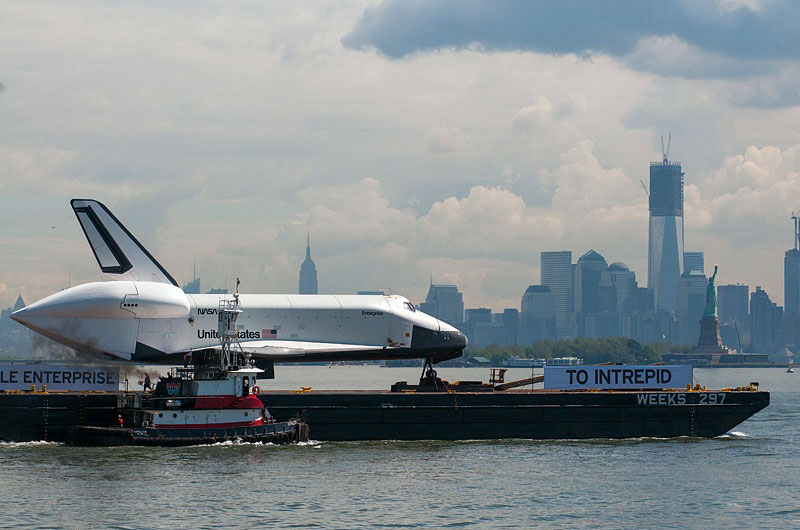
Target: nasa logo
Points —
{"points": [[206, 311]]}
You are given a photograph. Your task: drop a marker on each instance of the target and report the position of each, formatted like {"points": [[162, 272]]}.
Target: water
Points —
{"points": [[747, 478]]}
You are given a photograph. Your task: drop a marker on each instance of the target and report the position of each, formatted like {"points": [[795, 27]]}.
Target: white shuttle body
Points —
{"points": [[145, 317]]}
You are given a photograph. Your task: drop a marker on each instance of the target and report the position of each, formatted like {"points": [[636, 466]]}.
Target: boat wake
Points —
{"points": [[734, 435], [311, 443], [239, 442], [28, 444]]}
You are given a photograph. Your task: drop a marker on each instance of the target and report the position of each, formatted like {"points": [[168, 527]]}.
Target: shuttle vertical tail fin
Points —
{"points": [[118, 253]]}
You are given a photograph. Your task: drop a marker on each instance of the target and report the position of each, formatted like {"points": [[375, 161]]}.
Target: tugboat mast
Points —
{"points": [[232, 353]]}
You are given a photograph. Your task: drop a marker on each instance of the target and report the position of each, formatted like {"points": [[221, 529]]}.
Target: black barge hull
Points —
{"points": [[32, 417], [540, 415], [378, 415]]}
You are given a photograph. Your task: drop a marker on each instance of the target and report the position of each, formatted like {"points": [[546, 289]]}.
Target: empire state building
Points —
{"points": [[308, 273]]}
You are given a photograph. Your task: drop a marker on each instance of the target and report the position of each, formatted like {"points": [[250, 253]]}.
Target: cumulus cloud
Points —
{"points": [[670, 55], [226, 132], [700, 40], [398, 28], [37, 168], [470, 240], [583, 185], [768, 92], [544, 113], [486, 238], [487, 222], [747, 197], [345, 216], [445, 139]]}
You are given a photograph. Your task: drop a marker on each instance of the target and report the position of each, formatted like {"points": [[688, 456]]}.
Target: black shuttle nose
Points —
{"points": [[437, 341], [460, 340]]}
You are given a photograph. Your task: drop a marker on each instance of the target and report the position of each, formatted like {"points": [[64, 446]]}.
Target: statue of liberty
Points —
{"points": [[711, 297]]}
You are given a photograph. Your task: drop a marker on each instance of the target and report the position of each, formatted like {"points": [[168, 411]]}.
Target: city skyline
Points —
{"points": [[595, 299], [193, 284], [461, 156]]}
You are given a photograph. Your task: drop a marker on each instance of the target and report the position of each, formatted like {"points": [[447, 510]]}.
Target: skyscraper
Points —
{"points": [[665, 252], [308, 272], [557, 274], [472, 317], [587, 282], [511, 325], [765, 322], [445, 303], [732, 303], [791, 274], [586, 286], [537, 320], [791, 290], [539, 301], [791, 281], [690, 303], [19, 304], [14, 338], [620, 283], [193, 287], [694, 261]]}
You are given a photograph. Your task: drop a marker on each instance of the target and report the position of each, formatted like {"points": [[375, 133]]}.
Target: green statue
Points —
{"points": [[711, 297]]}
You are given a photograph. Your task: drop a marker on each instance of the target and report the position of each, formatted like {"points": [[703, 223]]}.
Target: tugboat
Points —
{"points": [[214, 400]]}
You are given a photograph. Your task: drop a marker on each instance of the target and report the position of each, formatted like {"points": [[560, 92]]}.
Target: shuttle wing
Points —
{"points": [[118, 253], [299, 351]]}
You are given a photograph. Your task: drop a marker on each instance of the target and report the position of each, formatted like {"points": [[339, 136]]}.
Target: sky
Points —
{"points": [[443, 139]]}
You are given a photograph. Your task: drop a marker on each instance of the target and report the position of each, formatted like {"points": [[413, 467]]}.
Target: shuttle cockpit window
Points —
{"points": [[409, 306]]}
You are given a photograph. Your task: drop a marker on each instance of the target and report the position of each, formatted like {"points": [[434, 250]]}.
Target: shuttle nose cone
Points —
{"points": [[19, 315], [36, 309], [448, 340], [460, 340]]}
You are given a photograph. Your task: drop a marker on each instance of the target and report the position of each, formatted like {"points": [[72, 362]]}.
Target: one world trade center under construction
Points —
{"points": [[665, 253]]}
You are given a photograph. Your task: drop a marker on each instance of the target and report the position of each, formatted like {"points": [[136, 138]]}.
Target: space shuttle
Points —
{"points": [[144, 317]]}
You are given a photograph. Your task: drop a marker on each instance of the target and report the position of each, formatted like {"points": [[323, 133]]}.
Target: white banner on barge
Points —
{"points": [[617, 377], [22, 376]]}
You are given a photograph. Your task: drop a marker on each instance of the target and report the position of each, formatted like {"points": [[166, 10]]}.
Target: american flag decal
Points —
{"points": [[269, 333]]}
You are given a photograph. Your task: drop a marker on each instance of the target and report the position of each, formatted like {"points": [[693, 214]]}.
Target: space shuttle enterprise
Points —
{"points": [[145, 317]]}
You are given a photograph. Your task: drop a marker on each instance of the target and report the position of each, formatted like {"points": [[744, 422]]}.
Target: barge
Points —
{"points": [[436, 415], [538, 415]]}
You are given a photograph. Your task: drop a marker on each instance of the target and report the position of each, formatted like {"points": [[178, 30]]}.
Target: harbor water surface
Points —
{"points": [[750, 477]]}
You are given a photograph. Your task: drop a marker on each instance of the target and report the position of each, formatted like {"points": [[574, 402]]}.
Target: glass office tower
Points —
{"points": [[665, 253]]}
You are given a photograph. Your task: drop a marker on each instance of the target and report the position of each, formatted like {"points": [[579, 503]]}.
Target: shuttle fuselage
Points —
{"points": [[155, 321]]}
